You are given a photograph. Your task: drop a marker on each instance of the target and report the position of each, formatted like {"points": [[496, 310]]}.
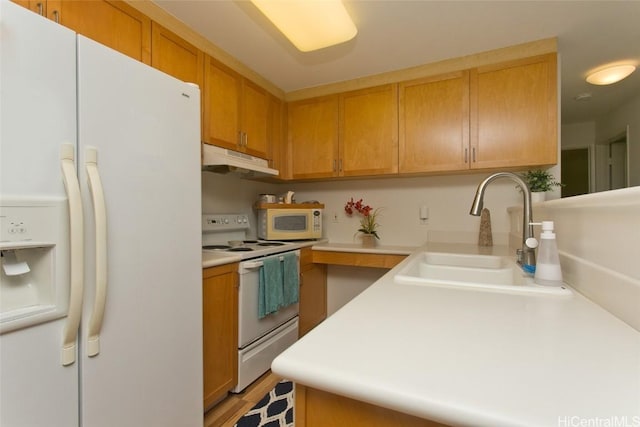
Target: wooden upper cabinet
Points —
{"points": [[369, 132], [313, 137], [112, 23], [37, 6], [350, 134], [221, 105], [434, 123], [514, 113], [175, 56], [236, 111], [254, 119], [277, 141]]}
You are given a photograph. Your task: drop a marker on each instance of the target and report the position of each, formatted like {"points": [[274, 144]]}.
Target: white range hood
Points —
{"points": [[221, 160]]}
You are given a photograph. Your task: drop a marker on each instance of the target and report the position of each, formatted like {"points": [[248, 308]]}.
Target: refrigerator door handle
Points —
{"points": [[76, 253], [100, 215]]}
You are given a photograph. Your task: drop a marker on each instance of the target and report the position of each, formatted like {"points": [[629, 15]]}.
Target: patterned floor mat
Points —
{"points": [[275, 409]]}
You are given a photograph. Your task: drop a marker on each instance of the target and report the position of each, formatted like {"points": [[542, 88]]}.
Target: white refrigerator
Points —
{"points": [[101, 283]]}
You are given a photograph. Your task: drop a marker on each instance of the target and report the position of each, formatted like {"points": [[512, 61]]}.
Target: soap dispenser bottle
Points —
{"points": [[548, 270]]}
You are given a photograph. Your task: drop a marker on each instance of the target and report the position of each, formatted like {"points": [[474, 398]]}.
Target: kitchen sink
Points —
{"points": [[488, 272]]}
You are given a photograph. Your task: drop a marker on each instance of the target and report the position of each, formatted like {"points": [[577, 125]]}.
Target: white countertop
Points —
{"points": [[474, 358], [213, 259]]}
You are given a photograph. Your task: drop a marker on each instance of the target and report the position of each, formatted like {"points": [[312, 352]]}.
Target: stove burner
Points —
{"points": [[240, 249], [250, 241], [271, 244], [216, 247]]}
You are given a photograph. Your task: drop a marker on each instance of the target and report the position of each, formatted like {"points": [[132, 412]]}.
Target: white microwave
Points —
{"points": [[290, 224]]}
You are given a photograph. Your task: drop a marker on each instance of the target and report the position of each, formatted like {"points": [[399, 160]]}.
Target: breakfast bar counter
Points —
{"points": [[473, 357]]}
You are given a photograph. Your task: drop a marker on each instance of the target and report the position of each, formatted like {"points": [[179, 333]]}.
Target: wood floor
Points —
{"points": [[234, 406]]}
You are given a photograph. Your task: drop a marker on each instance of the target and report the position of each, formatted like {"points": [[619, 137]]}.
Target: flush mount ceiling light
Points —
{"points": [[310, 24], [610, 75]]}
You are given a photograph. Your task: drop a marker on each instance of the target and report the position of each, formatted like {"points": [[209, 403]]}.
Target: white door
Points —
{"points": [[145, 126], [37, 115]]}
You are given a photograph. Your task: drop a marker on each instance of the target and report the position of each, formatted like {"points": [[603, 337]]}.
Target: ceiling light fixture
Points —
{"points": [[310, 24], [610, 75]]}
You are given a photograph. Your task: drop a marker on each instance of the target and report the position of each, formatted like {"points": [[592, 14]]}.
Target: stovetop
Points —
{"points": [[227, 233], [250, 248]]}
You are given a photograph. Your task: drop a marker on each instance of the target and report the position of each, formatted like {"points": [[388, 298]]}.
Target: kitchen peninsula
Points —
{"points": [[465, 357]]}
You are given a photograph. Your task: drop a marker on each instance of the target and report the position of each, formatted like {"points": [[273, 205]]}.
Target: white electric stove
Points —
{"points": [[228, 233], [260, 340]]}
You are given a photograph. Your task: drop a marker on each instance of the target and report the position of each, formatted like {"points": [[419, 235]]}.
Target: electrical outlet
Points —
{"points": [[335, 217]]}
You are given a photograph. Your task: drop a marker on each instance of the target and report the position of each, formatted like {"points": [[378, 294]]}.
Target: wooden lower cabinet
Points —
{"points": [[313, 292], [219, 331], [317, 408]]}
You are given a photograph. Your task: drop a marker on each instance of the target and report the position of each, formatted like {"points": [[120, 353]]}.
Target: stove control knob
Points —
{"points": [[226, 220]]}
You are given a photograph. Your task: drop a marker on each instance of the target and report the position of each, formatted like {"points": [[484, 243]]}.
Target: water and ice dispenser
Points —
{"points": [[34, 248]]}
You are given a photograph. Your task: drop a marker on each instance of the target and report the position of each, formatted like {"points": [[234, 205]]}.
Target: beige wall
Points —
{"points": [[578, 135], [615, 123]]}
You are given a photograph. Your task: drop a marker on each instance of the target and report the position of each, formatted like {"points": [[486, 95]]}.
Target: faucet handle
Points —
{"points": [[531, 242]]}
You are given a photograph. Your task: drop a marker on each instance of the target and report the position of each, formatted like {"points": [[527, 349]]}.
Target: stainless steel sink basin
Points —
{"points": [[489, 272]]}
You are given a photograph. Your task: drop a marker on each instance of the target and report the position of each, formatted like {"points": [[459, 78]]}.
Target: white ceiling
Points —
{"points": [[396, 34]]}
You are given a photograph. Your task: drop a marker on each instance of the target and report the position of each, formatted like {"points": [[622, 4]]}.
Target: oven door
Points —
{"points": [[250, 327]]}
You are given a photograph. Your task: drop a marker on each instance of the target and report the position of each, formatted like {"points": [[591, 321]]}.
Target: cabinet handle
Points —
{"points": [[466, 155], [340, 165], [242, 139], [473, 154], [334, 165], [56, 16], [246, 139], [40, 7]]}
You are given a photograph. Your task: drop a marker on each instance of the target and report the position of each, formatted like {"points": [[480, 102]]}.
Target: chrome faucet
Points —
{"points": [[526, 255]]}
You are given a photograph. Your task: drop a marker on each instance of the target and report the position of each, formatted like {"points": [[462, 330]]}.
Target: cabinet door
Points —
{"points": [[434, 123], [255, 119], [112, 23], [220, 331], [514, 113], [313, 296], [369, 131], [37, 6], [313, 137], [313, 292], [221, 105], [175, 56], [277, 141]]}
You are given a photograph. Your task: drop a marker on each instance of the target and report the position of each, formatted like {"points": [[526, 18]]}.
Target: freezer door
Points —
{"points": [[37, 115], [140, 133]]}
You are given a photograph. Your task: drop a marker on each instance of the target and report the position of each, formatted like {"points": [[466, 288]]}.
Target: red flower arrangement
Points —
{"points": [[368, 222]]}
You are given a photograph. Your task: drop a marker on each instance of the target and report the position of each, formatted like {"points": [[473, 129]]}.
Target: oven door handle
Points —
{"points": [[252, 264]]}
